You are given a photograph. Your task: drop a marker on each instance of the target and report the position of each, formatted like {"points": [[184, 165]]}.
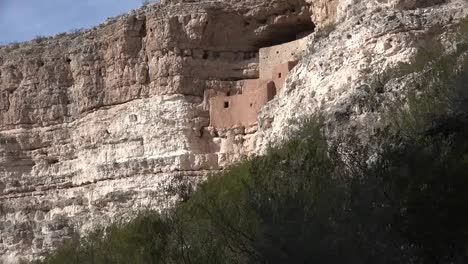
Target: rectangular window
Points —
{"points": [[226, 104]]}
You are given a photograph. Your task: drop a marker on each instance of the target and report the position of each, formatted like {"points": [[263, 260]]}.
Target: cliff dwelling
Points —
{"points": [[95, 124], [275, 63]]}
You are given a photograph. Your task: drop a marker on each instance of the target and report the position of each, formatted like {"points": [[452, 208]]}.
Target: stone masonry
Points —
{"points": [[275, 62], [228, 111]]}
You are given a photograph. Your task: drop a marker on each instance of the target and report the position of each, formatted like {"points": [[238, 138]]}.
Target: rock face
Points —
{"points": [[334, 77], [94, 125]]}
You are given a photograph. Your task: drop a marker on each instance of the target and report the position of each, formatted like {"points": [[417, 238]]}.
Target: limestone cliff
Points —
{"points": [[95, 124]]}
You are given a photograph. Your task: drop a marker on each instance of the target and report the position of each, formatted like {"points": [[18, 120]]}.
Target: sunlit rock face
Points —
{"points": [[95, 125]]}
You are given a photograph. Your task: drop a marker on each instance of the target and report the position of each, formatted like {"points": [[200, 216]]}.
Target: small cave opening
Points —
{"points": [[283, 33], [52, 160], [143, 31]]}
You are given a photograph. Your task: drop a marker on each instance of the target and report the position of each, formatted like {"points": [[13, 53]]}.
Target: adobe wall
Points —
{"points": [[278, 76], [275, 63], [272, 56], [241, 109], [255, 84], [281, 72]]}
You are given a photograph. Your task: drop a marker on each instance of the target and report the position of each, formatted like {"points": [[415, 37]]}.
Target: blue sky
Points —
{"points": [[22, 20]]}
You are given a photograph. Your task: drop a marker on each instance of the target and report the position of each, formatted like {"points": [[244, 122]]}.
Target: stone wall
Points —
{"points": [[275, 62], [228, 111], [241, 109], [270, 57], [281, 72]]}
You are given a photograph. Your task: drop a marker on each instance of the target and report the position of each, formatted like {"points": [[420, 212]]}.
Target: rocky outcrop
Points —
{"points": [[335, 76], [94, 125]]}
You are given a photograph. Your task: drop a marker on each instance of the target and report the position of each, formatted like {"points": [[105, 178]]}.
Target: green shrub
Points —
{"points": [[269, 208], [142, 240]]}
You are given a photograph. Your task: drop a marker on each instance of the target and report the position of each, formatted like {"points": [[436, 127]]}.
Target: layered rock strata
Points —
{"points": [[95, 124]]}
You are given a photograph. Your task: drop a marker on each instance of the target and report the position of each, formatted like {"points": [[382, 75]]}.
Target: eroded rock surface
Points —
{"points": [[95, 124], [335, 76]]}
